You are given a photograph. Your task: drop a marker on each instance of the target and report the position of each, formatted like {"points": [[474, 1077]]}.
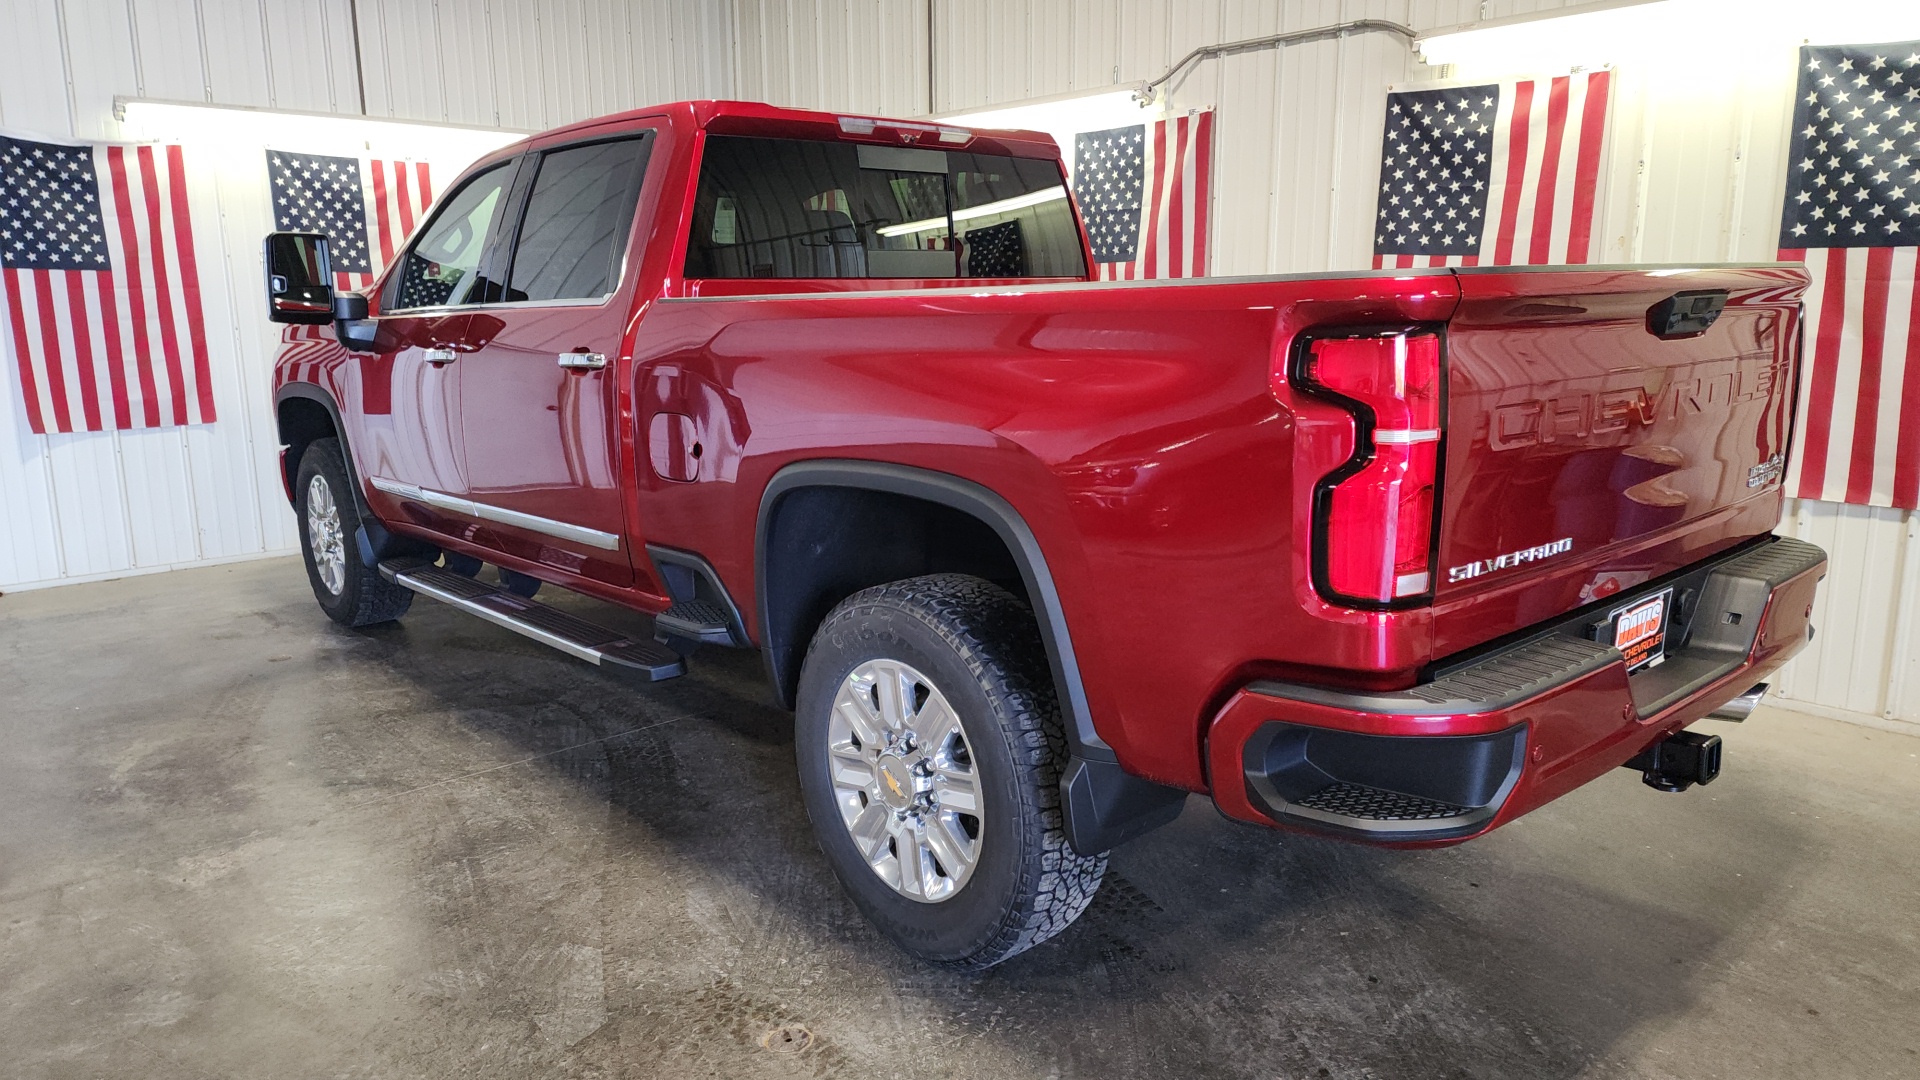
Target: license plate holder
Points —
{"points": [[1639, 629]]}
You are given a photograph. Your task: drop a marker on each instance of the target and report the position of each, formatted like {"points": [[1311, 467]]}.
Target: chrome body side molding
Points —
{"points": [[578, 534]]}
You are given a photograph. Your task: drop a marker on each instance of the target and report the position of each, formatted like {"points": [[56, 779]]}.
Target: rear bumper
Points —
{"points": [[1509, 730]]}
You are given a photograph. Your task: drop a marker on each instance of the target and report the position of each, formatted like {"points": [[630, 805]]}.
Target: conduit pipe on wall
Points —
{"points": [[1149, 91]]}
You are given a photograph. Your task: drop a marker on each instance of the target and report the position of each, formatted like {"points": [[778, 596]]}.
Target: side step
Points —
{"points": [[696, 620], [633, 661]]}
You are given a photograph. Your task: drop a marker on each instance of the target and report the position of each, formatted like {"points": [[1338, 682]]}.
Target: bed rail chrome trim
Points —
{"points": [[578, 534]]}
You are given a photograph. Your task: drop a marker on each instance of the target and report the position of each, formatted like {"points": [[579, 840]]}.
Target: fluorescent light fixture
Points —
{"points": [[1590, 37], [1085, 112], [1001, 206], [321, 133], [1700, 34]]}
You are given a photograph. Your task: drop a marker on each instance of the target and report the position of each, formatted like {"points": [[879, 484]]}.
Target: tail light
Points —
{"points": [[1374, 517]]}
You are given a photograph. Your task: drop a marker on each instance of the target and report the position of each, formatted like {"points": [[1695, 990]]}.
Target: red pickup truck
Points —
{"points": [[1394, 556]]}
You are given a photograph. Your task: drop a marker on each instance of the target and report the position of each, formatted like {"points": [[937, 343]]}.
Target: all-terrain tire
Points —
{"points": [[982, 648], [362, 597]]}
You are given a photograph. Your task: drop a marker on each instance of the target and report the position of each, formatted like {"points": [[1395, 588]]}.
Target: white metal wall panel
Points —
{"points": [[806, 57], [167, 52], [29, 542], [90, 504], [304, 41], [98, 44], [234, 39], [564, 74], [609, 59], [1863, 658], [866, 56], [228, 459], [29, 98], [465, 56], [1096, 26], [1245, 144], [155, 486], [890, 79], [1903, 681], [749, 50], [515, 66], [400, 59]]}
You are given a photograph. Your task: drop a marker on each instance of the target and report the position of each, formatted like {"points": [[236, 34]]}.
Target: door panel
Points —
{"points": [[411, 393], [410, 409], [542, 439]]}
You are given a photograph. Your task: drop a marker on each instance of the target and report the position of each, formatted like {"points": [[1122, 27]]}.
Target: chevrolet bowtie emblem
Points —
{"points": [[892, 783]]}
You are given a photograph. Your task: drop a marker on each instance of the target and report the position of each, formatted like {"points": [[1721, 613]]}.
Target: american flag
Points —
{"points": [[997, 251], [325, 194], [102, 291], [1499, 174], [1143, 196], [1852, 213]]}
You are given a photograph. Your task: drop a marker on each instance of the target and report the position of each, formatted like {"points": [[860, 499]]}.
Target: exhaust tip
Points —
{"points": [[1741, 707]]}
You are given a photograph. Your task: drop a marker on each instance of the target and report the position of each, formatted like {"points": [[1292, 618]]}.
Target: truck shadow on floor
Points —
{"points": [[1214, 948]]}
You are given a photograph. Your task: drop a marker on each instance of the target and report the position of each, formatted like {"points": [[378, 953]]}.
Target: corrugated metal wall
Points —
{"points": [[74, 507], [865, 56], [1865, 659], [534, 65]]}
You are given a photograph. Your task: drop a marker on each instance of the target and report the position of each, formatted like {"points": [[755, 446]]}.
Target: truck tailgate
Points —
{"points": [[1589, 449]]}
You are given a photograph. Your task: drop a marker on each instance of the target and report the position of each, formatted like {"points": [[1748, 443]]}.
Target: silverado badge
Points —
{"points": [[1510, 559]]}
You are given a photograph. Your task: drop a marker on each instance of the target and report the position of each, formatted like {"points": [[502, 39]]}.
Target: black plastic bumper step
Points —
{"points": [[696, 620], [1376, 804], [633, 660]]}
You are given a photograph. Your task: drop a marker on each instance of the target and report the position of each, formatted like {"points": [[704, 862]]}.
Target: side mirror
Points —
{"points": [[299, 278], [351, 326]]}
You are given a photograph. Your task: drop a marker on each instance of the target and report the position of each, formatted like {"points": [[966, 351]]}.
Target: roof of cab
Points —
{"points": [[754, 117]]}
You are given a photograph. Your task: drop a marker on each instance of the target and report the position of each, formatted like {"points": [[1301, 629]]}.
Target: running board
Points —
{"points": [[695, 620], [633, 661]]}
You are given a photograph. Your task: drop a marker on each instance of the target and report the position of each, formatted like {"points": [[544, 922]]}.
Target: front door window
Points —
{"points": [[442, 267]]}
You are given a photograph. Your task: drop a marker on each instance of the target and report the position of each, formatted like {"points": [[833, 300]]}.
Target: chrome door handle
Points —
{"points": [[583, 361], [439, 357]]}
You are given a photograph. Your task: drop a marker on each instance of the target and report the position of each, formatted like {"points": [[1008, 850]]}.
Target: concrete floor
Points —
{"points": [[236, 840]]}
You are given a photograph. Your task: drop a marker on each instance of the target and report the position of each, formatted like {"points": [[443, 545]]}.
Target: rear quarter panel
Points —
{"points": [[1135, 427]]}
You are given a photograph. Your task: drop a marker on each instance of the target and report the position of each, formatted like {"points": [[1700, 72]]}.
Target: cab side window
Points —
{"points": [[442, 267], [573, 236]]}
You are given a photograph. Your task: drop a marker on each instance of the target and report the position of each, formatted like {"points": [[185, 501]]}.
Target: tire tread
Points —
{"points": [[373, 599], [997, 637]]}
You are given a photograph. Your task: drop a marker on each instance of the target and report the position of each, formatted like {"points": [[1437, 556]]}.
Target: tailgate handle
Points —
{"points": [[1685, 314]]}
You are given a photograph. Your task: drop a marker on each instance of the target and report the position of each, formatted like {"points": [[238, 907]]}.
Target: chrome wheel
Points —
{"points": [[904, 780], [325, 537]]}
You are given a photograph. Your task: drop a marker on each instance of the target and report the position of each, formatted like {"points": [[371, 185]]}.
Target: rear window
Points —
{"points": [[795, 208]]}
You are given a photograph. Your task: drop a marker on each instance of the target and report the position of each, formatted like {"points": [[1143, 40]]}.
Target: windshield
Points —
{"points": [[795, 208]]}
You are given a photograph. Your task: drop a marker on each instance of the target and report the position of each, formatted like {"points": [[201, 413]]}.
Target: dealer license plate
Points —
{"points": [[1640, 630]]}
